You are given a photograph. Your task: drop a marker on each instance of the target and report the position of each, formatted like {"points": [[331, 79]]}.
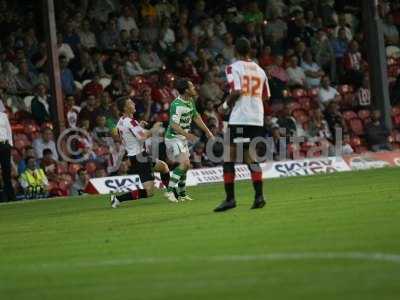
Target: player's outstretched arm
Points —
{"points": [[199, 122], [155, 130]]}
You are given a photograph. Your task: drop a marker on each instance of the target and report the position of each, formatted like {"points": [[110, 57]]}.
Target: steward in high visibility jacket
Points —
{"points": [[33, 180]]}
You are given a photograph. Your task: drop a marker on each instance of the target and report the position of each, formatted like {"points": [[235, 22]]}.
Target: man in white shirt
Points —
{"points": [[45, 142], [327, 93], [88, 39], [132, 65], [167, 36], [126, 21], [342, 24], [312, 70], [219, 26], [64, 49], [149, 59], [6, 142], [297, 78], [228, 51]]}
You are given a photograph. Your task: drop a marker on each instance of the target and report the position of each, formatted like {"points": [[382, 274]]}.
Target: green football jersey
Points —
{"points": [[181, 113]]}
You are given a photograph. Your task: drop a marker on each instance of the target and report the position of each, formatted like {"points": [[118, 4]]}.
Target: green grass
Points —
{"points": [[314, 240]]}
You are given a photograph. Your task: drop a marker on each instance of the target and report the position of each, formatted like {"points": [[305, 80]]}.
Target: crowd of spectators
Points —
{"points": [[314, 53]]}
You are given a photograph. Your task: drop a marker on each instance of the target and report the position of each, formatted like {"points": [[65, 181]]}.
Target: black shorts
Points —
{"points": [[244, 134], [142, 165]]}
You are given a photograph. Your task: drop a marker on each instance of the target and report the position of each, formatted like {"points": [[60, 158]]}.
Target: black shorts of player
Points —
{"points": [[142, 165], [162, 151], [244, 134]]}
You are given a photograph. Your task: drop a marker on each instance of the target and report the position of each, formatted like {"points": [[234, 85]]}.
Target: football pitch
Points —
{"points": [[321, 237]]}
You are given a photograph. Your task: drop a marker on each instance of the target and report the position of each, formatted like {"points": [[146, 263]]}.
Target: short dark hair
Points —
{"points": [[29, 158], [47, 151], [182, 85], [243, 46]]}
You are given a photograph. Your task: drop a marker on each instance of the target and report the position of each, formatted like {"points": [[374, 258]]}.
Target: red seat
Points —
{"points": [[349, 114], [356, 126], [22, 115], [267, 109]]}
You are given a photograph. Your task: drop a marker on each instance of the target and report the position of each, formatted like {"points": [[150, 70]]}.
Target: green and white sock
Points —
{"points": [[176, 176], [182, 186]]}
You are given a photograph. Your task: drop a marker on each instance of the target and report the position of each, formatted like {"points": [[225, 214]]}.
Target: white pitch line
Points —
{"points": [[385, 257], [300, 256]]}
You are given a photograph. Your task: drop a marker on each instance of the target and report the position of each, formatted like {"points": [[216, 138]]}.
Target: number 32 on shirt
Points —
{"points": [[251, 86]]}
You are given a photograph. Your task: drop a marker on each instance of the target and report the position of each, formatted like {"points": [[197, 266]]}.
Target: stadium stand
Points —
{"points": [[115, 48]]}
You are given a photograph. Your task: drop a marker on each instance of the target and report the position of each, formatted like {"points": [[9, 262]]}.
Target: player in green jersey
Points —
{"points": [[182, 113]]}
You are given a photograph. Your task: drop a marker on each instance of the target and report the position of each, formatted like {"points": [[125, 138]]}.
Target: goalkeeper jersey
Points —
{"points": [[181, 113]]}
